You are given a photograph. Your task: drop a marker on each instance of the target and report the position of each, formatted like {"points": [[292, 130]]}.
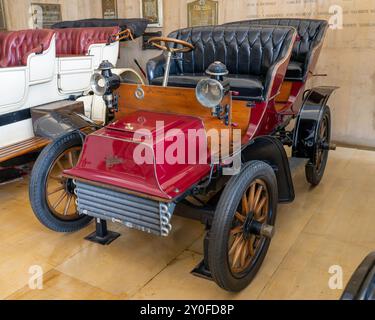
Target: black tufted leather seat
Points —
{"points": [[251, 55], [311, 35]]}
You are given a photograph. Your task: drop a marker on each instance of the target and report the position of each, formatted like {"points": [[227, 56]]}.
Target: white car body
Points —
{"points": [[47, 78]]}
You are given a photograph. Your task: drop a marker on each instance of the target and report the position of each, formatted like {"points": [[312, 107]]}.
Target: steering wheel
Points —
{"points": [[157, 42]]}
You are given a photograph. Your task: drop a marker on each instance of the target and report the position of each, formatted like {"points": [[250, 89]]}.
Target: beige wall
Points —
{"points": [[348, 56]]}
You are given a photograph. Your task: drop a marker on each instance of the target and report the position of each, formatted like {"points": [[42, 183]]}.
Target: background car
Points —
{"points": [[43, 75], [362, 284]]}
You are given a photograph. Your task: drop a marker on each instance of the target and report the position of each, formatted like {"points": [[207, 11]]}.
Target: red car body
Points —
{"points": [[108, 156]]}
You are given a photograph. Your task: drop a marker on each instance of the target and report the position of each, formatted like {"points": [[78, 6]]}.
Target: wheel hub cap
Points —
{"points": [[248, 227]]}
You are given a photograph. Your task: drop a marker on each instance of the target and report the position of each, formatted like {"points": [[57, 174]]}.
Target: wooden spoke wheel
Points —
{"points": [[60, 191], [246, 238], [323, 137], [52, 195], [243, 226], [316, 167]]}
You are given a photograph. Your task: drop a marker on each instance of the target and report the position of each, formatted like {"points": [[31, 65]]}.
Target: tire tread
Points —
{"points": [[38, 179]]}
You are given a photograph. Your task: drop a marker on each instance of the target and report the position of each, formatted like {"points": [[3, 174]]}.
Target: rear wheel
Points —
{"points": [[243, 226], [52, 195], [316, 167]]}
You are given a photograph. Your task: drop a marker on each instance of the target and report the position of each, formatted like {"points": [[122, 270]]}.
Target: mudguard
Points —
{"points": [[271, 151], [56, 119], [129, 75], [362, 284], [306, 132]]}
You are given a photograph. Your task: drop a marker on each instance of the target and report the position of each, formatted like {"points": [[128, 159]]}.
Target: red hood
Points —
{"points": [[108, 156]]}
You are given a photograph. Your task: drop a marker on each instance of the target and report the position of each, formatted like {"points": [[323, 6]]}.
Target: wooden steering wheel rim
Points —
{"points": [[156, 42]]}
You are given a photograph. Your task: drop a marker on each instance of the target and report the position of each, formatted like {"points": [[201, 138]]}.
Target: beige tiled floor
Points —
{"points": [[330, 225]]}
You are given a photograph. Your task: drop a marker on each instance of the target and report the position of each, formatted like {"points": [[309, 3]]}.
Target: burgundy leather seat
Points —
{"points": [[17, 46], [76, 41]]}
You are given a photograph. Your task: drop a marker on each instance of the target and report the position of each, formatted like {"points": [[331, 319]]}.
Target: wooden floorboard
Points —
{"points": [[332, 225]]}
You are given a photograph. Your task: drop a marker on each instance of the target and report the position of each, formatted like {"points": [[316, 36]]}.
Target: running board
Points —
{"points": [[19, 149]]}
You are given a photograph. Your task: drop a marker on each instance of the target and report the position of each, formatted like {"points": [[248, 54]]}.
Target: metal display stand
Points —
{"points": [[102, 235]]}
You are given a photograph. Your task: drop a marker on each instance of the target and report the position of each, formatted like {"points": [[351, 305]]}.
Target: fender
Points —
{"points": [[137, 78], [306, 133], [56, 119], [271, 151], [362, 284]]}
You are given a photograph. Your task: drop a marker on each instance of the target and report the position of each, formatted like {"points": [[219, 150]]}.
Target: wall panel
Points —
{"points": [[348, 55]]}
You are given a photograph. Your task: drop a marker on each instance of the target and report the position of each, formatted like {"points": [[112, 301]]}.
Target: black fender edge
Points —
{"points": [[271, 151], [308, 120], [362, 284]]}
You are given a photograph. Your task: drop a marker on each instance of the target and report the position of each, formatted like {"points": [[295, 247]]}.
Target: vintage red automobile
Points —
{"points": [[144, 167]]}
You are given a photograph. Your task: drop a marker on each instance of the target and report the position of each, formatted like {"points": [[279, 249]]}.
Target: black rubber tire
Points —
{"points": [[313, 175], [38, 180], [219, 233]]}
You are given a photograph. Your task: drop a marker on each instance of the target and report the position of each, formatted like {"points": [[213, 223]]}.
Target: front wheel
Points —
{"points": [[52, 195], [243, 226]]}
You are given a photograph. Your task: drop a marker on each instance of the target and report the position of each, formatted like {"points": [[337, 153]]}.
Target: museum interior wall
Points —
{"points": [[348, 55]]}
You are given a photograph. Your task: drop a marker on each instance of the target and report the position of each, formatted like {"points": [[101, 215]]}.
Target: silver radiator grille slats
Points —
{"points": [[132, 211]]}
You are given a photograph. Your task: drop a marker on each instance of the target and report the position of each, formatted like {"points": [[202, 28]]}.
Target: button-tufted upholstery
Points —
{"points": [[76, 41], [311, 35], [250, 54], [17, 46]]}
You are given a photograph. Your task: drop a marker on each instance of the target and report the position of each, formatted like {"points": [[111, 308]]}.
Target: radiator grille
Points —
{"points": [[131, 211]]}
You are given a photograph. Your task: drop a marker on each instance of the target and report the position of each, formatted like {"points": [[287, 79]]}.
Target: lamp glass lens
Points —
{"points": [[98, 84], [209, 92]]}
